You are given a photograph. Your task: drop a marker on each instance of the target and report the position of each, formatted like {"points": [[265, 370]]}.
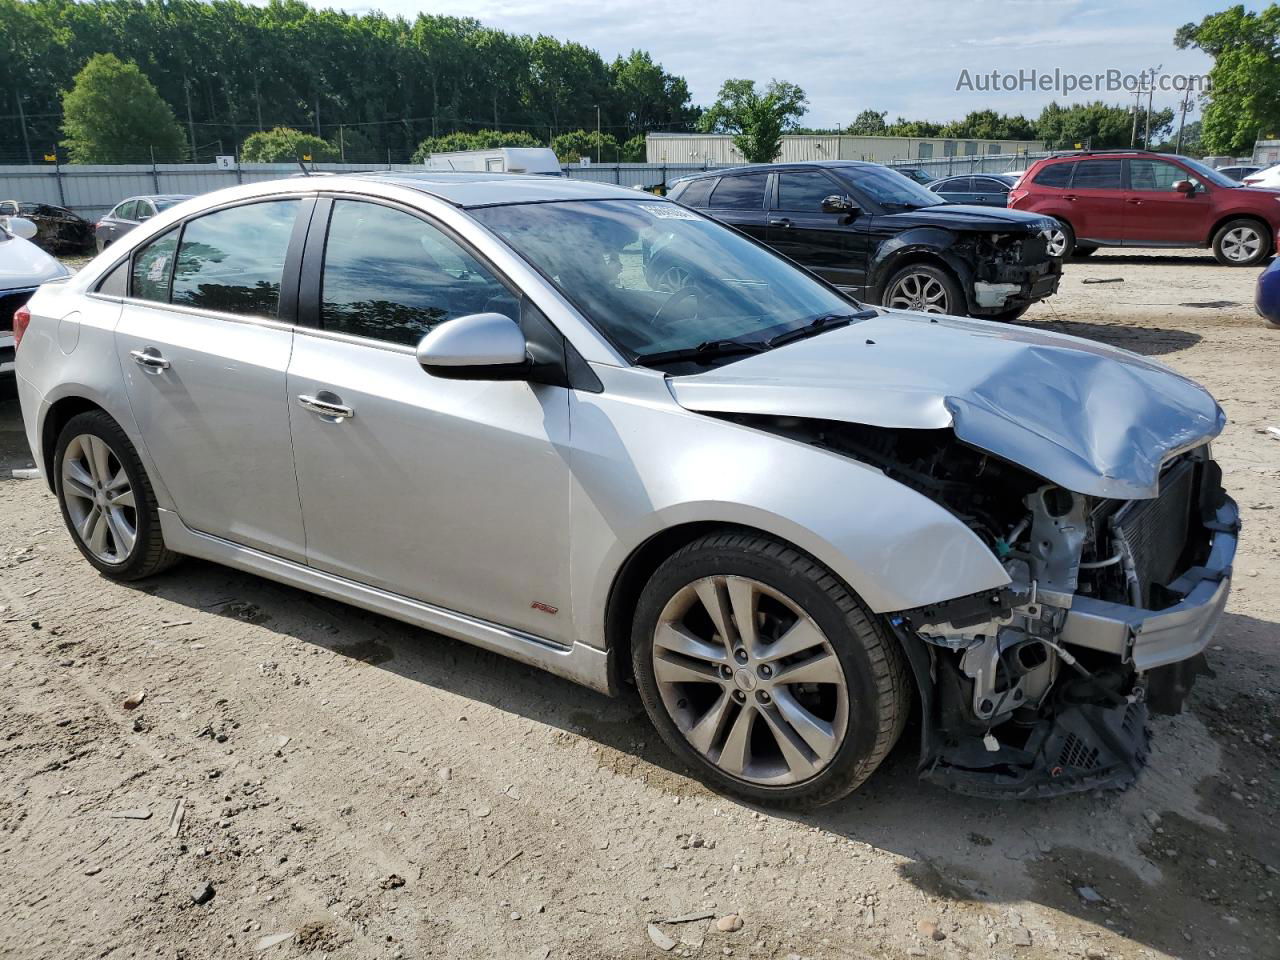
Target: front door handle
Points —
{"points": [[1070, 197], [149, 358], [1135, 201], [332, 410], [780, 222]]}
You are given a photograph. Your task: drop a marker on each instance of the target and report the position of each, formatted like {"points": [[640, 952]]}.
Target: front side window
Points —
{"points": [[988, 185], [697, 193], [1147, 174], [145, 211], [740, 193], [804, 192], [888, 188], [125, 210], [654, 277], [958, 185], [1097, 175], [232, 260], [389, 275], [153, 268]]}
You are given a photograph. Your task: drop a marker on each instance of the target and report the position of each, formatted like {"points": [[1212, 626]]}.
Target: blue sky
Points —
{"points": [[904, 57]]}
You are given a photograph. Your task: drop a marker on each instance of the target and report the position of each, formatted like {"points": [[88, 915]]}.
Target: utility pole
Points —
{"points": [[22, 121], [1150, 93], [191, 127], [342, 146], [1185, 107], [1137, 108], [597, 133]]}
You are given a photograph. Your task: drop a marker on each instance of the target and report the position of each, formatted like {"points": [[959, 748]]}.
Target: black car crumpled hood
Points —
{"points": [[960, 216], [1093, 419]]}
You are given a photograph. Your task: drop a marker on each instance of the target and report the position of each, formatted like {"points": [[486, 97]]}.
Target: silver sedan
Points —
{"points": [[474, 402]]}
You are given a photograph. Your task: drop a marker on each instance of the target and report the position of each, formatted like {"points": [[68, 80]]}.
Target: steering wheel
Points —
{"points": [[677, 298]]}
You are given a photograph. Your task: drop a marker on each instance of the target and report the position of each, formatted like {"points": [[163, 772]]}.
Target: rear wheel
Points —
{"points": [[924, 289], [106, 499], [763, 672], [1242, 243]]}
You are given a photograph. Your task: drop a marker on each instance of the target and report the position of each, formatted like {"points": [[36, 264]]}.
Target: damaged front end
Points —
{"points": [[1044, 687], [1011, 271]]}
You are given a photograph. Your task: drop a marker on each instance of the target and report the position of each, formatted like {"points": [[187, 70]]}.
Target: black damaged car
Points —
{"points": [[882, 237]]}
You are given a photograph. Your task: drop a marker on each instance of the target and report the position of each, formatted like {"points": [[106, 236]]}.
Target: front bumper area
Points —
{"points": [[1014, 286]]}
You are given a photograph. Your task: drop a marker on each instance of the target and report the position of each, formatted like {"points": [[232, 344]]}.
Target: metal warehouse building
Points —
{"points": [[718, 148]]}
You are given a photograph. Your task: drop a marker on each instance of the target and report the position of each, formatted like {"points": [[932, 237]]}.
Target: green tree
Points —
{"points": [[572, 146], [1243, 103], [916, 129], [1097, 124], [635, 150], [113, 114], [869, 123], [756, 120], [646, 97], [989, 125], [479, 140], [285, 145]]}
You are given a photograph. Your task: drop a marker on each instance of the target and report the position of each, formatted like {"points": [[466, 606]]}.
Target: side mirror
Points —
{"points": [[835, 204], [21, 227], [1184, 186], [479, 346]]}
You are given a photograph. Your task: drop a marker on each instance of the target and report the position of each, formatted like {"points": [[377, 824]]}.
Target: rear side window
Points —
{"points": [[958, 185], [126, 210], [697, 193], [390, 276], [153, 268], [1097, 175], [740, 193], [804, 192], [232, 261], [1055, 175], [987, 185]]}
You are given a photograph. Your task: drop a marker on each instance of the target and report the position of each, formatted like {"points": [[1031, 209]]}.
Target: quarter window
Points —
{"points": [[740, 193], [125, 210], [1097, 175], [1055, 175], [804, 192], [389, 275], [153, 268], [697, 193], [232, 261]]}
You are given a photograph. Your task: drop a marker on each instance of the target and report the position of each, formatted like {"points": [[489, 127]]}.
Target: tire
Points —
{"points": [[1242, 243], [1084, 252], [1062, 241], [85, 479], [858, 682], [924, 288]]}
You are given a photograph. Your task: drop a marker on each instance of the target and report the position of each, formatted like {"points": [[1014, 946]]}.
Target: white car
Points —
{"points": [[23, 267], [1266, 177]]}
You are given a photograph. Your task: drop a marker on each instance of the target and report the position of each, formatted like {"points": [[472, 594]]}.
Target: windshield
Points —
{"points": [[1207, 173], [888, 188], [657, 278]]}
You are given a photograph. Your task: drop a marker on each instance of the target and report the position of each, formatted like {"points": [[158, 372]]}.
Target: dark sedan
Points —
{"points": [[882, 237], [984, 189], [58, 230], [127, 214]]}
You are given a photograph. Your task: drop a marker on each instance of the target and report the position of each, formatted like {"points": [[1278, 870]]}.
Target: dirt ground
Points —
{"points": [[305, 779]]}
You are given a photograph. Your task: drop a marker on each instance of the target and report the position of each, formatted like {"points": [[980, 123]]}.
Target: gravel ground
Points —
{"points": [[303, 778]]}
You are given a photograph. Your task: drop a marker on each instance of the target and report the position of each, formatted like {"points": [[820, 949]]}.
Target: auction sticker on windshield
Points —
{"points": [[669, 211]]}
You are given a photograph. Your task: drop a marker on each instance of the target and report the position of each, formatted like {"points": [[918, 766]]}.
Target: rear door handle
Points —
{"points": [[333, 410], [149, 358], [780, 222], [1070, 197], [1135, 201]]}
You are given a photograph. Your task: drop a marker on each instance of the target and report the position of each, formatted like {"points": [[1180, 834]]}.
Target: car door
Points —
{"points": [[1160, 214], [955, 190], [204, 340], [453, 492], [990, 192], [739, 200], [1096, 200], [826, 243]]}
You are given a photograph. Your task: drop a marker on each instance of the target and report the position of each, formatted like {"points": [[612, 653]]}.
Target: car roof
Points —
{"points": [[483, 189], [781, 165]]}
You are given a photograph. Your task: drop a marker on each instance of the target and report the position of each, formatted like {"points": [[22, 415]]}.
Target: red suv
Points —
{"points": [[1130, 198]]}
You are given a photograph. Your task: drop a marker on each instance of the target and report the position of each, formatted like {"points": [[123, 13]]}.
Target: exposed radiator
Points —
{"points": [[1155, 531]]}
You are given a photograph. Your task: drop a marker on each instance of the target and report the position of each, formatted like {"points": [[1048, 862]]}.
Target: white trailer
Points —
{"points": [[539, 160]]}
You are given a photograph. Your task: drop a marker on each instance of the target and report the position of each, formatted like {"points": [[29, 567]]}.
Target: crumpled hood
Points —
{"points": [[1091, 418], [962, 216], [23, 264]]}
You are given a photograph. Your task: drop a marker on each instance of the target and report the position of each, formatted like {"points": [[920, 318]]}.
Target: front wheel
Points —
{"points": [[1241, 243], [1062, 241], [924, 289], [106, 499], [764, 673]]}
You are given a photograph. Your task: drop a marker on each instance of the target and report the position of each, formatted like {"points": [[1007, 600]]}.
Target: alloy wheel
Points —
{"points": [[1057, 244], [920, 292], [99, 498], [750, 680], [1241, 244]]}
